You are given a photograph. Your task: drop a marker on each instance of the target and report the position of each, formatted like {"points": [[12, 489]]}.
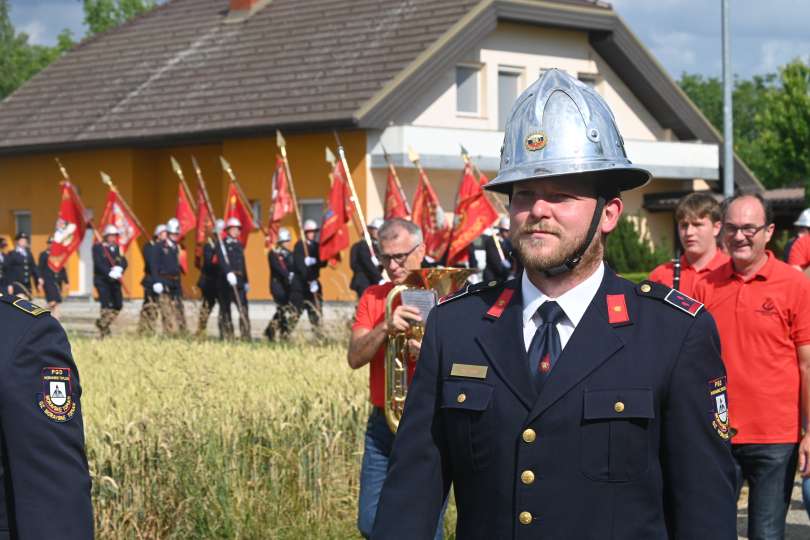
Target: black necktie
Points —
{"points": [[545, 349]]}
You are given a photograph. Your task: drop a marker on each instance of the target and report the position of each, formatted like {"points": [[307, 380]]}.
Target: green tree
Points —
{"points": [[627, 251], [101, 15]]}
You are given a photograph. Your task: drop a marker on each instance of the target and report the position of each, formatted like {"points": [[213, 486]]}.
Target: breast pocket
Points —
{"points": [[615, 431], [465, 404]]}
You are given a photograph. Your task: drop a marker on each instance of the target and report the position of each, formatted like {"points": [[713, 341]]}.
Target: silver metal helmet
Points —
{"points": [[560, 126], [173, 226], [310, 225], [160, 229], [284, 235], [804, 219], [219, 225], [233, 222], [110, 230]]}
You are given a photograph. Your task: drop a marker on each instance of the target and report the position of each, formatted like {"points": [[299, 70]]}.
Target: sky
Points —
{"points": [[684, 35]]}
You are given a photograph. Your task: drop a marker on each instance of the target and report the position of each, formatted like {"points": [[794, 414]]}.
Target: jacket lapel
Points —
{"points": [[594, 341], [502, 343]]}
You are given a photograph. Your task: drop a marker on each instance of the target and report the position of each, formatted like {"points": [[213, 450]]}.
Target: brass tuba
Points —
{"points": [[438, 281]]}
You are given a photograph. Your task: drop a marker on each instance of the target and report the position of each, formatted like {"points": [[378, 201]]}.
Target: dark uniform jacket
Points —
{"points": [[303, 273], [209, 271], [164, 264], [620, 444], [45, 487], [365, 272], [49, 276], [280, 260], [3, 282], [20, 268], [235, 262], [103, 263], [495, 269], [148, 254]]}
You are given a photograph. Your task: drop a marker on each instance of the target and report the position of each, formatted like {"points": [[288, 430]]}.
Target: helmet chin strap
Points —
{"points": [[575, 259]]}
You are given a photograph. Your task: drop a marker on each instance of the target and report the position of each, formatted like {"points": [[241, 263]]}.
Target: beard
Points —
{"points": [[532, 255]]}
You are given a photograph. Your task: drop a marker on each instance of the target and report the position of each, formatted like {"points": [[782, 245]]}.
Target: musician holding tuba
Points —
{"points": [[401, 252]]}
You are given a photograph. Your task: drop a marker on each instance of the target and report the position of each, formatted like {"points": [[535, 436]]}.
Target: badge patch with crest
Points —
{"points": [[56, 400], [718, 394]]}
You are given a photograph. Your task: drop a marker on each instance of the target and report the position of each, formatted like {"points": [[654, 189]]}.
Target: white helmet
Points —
{"points": [[219, 225], [111, 229], [233, 222], [804, 219], [284, 235], [160, 229], [503, 223], [173, 226], [376, 223], [310, 225]]}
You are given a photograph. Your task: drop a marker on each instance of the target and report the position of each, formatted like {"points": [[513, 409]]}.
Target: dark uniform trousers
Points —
{"points": [[51, 281], [105, 256], [165, 269], [301, 297], [209, 274], [619, 444], [44, 478], [280, 260], [228, 294], [21, 273], [150, 312]]}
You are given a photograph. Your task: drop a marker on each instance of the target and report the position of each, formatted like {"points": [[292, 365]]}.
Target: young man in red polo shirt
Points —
{"points": [[760, 306], [699, 219], [401, 251]]}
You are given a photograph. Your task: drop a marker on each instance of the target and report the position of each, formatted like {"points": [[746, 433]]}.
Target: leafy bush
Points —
{"points": [[627, 251]]}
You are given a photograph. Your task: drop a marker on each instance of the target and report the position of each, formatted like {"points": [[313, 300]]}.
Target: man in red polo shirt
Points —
{"points": [[401, 250], [760, 305], [699, 219]]}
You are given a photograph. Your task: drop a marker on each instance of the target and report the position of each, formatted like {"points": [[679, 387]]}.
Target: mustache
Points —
{"points": [[529, 229]]}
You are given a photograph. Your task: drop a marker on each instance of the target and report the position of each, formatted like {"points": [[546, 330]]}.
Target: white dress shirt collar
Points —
{"points": [[573, 302]]}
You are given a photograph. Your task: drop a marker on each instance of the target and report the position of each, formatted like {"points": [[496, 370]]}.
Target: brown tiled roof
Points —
{"points": [[182, 70]]}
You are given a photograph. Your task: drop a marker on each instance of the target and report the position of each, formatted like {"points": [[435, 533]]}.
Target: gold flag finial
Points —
{"points": [[330, 157], [413, 155], [62, 170], [226, 167], [464, 154], [176, 166], [107, 180]]}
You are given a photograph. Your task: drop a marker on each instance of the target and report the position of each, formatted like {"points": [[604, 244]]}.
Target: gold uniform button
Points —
{"points": [[492, 283], [618, 407], [527, 477], [529, 435], [461, 398], [646, 288], [525, 518]]}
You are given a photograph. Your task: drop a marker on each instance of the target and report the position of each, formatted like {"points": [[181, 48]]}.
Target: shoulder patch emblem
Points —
{"points": [[717, 392], [683, 302], [56, 400], [24, 305]]}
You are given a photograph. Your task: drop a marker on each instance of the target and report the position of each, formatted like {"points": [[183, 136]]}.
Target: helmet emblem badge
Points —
{"points": [[536, 141]]}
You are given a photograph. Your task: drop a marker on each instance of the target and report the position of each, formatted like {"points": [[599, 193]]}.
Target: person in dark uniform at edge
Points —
{"points": [[366, 269], [3, 246], [801, 228], [52, 282], [45, 491], [165, 276], [150, 310], [108, 269], [233, 282], [498, 251], [306, 291], [567, 403], [282, 273], [208, 282], [20, 272]]}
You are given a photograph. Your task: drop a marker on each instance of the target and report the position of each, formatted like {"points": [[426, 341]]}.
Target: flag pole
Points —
{"points": [[105, 178], [355, 200], [492, 198], [393, 171], [217, 239], [179, 172], [245, 201], [282, 146], [332, 160]]}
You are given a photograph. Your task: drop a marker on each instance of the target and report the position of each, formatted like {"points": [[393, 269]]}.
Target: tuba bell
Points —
{"points": [[432, 283]]}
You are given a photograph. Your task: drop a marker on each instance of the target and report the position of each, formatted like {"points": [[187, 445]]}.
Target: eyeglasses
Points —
{"points": [[398, 258], [747, 230]]}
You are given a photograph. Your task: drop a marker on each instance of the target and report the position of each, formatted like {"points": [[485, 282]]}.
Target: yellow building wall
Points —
{"points": [[146, 180]]}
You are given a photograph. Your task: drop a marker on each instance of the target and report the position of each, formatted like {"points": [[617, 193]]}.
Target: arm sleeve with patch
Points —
{"points": [[699, 475], [47, 480]]}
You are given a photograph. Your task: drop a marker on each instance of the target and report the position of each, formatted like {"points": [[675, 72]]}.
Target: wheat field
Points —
{"points": [[190, 439]]}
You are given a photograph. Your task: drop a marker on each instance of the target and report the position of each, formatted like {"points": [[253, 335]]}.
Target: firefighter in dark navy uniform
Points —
{"points": [[233, 285], [150, 310], [21, 274], [498, 251], [209, 278], [306, 292], [45, 491], [52, 282], [567, 403], [280, 259], [108, 268], [166, 271], [366, 268]]}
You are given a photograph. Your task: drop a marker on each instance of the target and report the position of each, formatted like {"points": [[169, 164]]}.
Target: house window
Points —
{"points": [[311, 209], [467, 89], [22, 222], [508, 85]]}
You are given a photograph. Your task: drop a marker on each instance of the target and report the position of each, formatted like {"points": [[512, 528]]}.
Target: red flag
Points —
{"points": [[281, 201], [66, 239], [396, 206], [204, 226], [474, 214], [335, 232], [235, 207], [116, 213], [429, 215], [184, 211]]}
